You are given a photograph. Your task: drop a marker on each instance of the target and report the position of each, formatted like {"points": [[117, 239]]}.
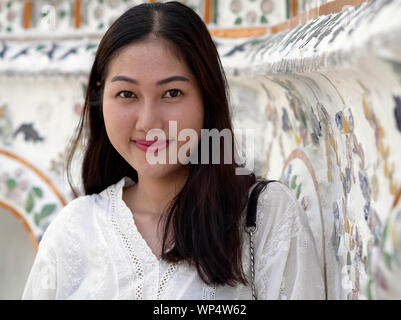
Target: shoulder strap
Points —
{"points": [[253, 202], [251, 227]]}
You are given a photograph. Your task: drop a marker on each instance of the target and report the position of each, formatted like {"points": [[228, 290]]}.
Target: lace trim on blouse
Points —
{"points": [[142, 254], [93, 250]]}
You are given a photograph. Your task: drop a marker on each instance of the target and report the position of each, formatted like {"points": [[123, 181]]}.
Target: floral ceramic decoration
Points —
{"points": [[323, 99], [249, 13], [28, 194], [385, 268]]}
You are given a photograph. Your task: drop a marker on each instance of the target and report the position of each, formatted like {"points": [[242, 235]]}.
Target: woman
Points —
{"points": [[170, 230]]}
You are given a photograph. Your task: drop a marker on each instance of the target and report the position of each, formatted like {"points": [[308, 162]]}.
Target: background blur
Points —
{"points": [[319, 82]]}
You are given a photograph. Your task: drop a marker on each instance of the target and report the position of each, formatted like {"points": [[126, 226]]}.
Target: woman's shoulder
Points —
{"points": [[276, 195], [75, 217], [84, 206], [278, 205], [83, 210], [76, 207]]}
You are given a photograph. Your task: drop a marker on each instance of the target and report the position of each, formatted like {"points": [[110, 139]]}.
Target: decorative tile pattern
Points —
{"points": [[28, 194], [343, 115], [323, 101], [249, 13], [61, 17]]}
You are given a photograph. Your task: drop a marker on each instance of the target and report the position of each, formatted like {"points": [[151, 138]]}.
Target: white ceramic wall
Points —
{"points": [[323, 99]]}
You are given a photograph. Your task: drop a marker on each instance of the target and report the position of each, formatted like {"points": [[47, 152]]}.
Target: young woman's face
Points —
{"points": [[147, 86]]}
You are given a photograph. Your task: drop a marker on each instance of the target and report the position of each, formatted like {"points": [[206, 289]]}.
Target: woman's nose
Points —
{"points": [[148, 117]]}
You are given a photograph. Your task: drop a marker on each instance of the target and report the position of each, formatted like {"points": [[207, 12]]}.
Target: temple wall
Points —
{"points": [[322, 97], [324, 100]]}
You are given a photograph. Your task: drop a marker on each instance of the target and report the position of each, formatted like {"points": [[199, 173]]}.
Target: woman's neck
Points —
{"points": [[151, 196]]}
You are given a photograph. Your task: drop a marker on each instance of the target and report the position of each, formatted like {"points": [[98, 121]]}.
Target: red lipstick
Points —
{"points": [[153, 145]]}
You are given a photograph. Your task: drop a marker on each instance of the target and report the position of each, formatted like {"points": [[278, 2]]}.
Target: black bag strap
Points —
{"points": [[251, 227], [253, 202]]}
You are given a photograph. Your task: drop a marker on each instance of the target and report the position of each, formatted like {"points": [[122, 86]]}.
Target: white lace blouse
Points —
{"points": [[93, 250]]}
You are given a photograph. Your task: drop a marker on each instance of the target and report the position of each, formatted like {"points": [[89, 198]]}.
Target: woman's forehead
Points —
{"points": [[146, 58], [150, 47]]}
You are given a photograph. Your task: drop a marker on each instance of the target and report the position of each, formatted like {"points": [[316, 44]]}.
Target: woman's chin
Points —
{"points": [[157, 171]]}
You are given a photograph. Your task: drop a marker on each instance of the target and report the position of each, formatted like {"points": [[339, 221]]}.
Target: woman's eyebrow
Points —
{"points": [[159, 83]]}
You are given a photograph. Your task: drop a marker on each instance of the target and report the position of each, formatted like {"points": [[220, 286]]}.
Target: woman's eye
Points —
{"points": [[173, 93], [125, 94]]}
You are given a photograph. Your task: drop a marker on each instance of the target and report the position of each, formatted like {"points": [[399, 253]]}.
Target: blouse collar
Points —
{"points": [[115, 193], [123, 183]]}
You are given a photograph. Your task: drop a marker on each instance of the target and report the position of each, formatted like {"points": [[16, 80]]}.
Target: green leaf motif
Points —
{"points": [[387, 259], [293, 182], [37, 219], [263, 19], [369, 290], [91, 45], [255, 42], [30, 203], [238, 21], [11, 184], [302, 117], [38, 192], [83, 85], [62, 14], [299, 190], [47, 210], [385, 234]]}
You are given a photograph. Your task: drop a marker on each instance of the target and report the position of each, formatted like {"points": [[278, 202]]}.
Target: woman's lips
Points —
{"points": [[152, 146]]}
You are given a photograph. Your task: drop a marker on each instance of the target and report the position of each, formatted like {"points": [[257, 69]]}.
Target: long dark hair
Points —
{"points": [[206, 216]]}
